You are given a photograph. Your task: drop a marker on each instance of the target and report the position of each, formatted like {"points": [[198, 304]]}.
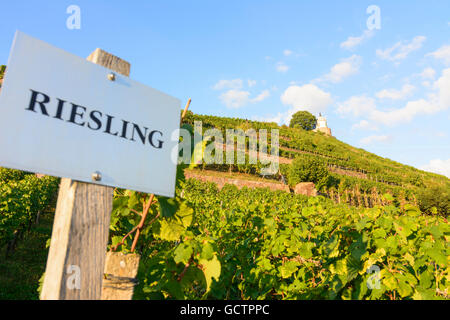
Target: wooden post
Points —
{"points": [[76, 259], [120, 276], [186, 109]]}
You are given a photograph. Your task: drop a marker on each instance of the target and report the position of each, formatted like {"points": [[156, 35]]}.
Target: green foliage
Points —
{"points": [[435, 200], [307, 170], [259, 244], [304, 120], [2, 71], [357, 177], [21, 271], [175, 262], [7, 175], [22, 196], [275, 245], [295, 142]]}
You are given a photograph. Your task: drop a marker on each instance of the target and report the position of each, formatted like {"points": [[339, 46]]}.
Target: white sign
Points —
{"points": [[61, 115]]}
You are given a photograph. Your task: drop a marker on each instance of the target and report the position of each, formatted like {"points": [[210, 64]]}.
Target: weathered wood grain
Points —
{"points": [[79, 240], [110, 61], [120, 272]]}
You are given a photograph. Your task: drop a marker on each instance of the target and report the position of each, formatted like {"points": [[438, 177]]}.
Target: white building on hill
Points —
{"points": [[322, 125]]}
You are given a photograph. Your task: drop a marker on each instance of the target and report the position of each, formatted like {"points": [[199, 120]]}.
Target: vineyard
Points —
{"points": [[373, 175], [330, 150], [116, 184], [361, 239], [23, 197], [258, 244]]}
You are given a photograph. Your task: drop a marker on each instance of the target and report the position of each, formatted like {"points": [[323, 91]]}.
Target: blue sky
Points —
{"points": [[386, 90]]}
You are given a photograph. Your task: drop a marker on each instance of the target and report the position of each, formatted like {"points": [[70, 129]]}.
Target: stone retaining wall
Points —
{"points": [[306, 188], [240, 183]]}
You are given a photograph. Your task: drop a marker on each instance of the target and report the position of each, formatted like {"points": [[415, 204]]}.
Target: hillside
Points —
{"points": [[250, 237], [356, 176], [232, 242]]}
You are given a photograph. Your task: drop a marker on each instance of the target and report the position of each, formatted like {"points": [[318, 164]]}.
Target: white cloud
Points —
{"points": [[404, 114], [239, 98], [386, 77], [374, 138], [357, 106], [401, 49], [307, 97], [436, 101], [282, 67], [428, 73], [262, 96], [443, 53], [287, 52], [364, 125], [426, 84], [438, 166], [443, 85], [393, 94], [342, 70], [228, 84], [353, 42], [235, 98], [251, 83], [280, 118]]}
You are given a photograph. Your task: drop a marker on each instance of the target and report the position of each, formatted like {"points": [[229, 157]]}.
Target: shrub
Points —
{"points": [[435, 200], [7, 175], [303, 120], [308, 170]]}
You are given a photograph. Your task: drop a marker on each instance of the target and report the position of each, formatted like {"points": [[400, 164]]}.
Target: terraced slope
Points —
{"points": [[354, 172]]}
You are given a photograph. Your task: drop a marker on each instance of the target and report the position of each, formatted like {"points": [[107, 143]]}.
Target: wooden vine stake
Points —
{"points": [[120, 276], [76, 260]]}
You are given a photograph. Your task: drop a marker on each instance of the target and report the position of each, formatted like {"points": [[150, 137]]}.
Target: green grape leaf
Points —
{"points": [[183, 253], [388, 280], [339, 267], [168, 206], [353, 267], [379, 233], [404, 289], [288, 268], [133, 199], [185, 214], [170, 230], [438, 255], [211, 270], [411, 210], [331, 248], [207, 252], [306, 250]]}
